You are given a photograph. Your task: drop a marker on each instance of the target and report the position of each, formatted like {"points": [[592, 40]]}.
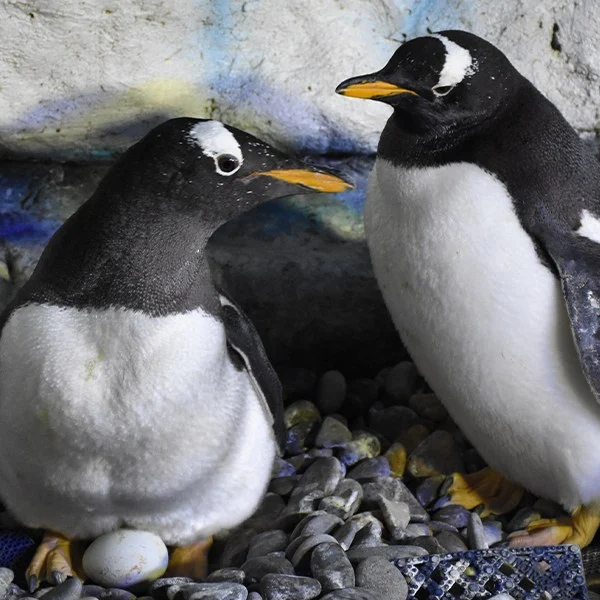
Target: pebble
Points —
{"points": [[289, 587], [451, 541], [70, 589], [431, 544], [523, 517], [302, 554], [158, 589], [378, 574], [345, 500], [299, 437], [332, 433], [492, 531], [213, 591], [438, 454], [392, 488], [282, 468], [116, 594], [475, 533], [236, 548], [331, 567], [396, 516], [95, 591], [257, 568], [363, 445], [400, 383], [428, 490], [366, 389], [254, 596], [302, 411], [323, 475], [267, 542], [271, 505], [454, 515], [355, 555], [6, 578], [353, 594], [300, 506], [413, 436], [391, 421], [429, 407], [396, 457], [318, 522], [230, 574], [369, 535], [283, 485], [331, 392], [370, 468]]}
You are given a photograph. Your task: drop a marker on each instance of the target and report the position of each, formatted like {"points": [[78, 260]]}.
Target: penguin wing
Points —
{"points": [[244, 341], [577, 260]]}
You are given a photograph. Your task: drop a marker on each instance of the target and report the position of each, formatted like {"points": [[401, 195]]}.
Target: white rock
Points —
{"points": [[125, 557]]}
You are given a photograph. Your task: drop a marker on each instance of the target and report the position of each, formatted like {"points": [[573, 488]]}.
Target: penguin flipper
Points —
{"points": [[577, 260], [244, 341]]}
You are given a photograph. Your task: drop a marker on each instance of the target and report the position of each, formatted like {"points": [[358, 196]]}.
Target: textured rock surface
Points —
{"points": [[110, 70]]}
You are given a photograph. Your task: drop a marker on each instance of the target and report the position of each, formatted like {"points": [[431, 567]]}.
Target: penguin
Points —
{"points": [[134, 393], [483, 226]]}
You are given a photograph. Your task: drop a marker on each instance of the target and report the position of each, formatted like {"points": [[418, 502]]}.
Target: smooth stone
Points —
{"points": [[323, 475], [321, 522], [429, 407], [523, 517], [213, 591], [413, 436], [346, 533], [390, 422], [116, 594], [331, 567], [297, 382], [354, 406], [392, 488], [271, 504], [430, 544], [396, 516], [370, 468], [369, 535], [257, 568], [454, 515], [437, 526], [302, 505], [267, 542], [353, 594], [427, 491], [356, 555], [158, 589], [236, 549], [345, 500], [299, 437], [320, 452], [492, 531], [124, 558], [43, 591], [283, 486], [301, 461], [6, 578], [230, 574], [254, 596], [332, 433], [95, 591], [396, 457], [363, 445], [301, 557], [475, 533], [366, 389], [70, 589], [400, 383], [414, 530], [331, 391], [95, 597], [438, 454], [282, 468], [380, 575], [451, 542], [302, 411], [289, 587]]}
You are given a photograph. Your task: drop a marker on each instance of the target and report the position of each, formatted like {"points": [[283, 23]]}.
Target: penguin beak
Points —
{"points": [[313, 180], [371, 87]]}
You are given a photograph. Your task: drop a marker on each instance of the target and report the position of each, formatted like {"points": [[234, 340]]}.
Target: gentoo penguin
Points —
{"points": [[483, 225], [133, 392]]}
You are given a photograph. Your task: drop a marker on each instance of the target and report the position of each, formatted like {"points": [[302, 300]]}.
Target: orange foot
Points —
{"points": [[53, 561], [190, 561], [578, 529], [486, 487]]}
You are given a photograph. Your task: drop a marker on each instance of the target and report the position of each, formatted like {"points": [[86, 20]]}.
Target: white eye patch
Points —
{"points": [[458, 64], [215, 140]]}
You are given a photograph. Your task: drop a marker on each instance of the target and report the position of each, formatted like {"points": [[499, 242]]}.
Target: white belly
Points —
{"points": [[486, 324], [114, 418]]}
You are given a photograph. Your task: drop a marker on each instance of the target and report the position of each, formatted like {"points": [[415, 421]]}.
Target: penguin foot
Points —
{"points": [[487, 487], [190, 561], [578, 529], [52, 561]]}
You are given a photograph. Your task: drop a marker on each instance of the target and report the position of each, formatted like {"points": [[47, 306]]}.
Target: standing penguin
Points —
{"points": [[483, 225], [134, 393]]}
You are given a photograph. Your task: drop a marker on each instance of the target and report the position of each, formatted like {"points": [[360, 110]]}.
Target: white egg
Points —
{"points": [[125, 557]]}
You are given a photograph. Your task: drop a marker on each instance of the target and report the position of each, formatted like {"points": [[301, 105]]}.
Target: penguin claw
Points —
{"points": [[486, 488], [33, 583]]}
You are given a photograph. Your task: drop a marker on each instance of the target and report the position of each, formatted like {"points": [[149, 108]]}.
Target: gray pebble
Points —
{"points": [[380, 575], [429, 407], [319, 522], [475, 533], [356, 555], [366, 389], [43, 591], [363, 445], [282, 468], [437, 454], [236, 548], [320, 452], [346, 533], [213, 591], [353, 594], [345, 499], [271, 505], [427, 491], [437, 526], [94, 597], [400, 383], [267, 542], [369, 535], [390, 422], [331, 392], [299, 437], [254, 596], [302, 504], [331, 567], [430, 544], [158, 589], [230, 574], [302, 411], [116, 594], [302, 554], [454, 515], [257, 568], [96, 590], [414, 530], [324, 475], [392, 488], [396, 516], [289, 587], [370, 468], [492, 531], [284, 486], [6, 578], [451, 542], [69, 589], [522, 518], [332, 433]]}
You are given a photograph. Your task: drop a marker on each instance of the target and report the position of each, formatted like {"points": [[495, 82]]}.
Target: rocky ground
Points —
{"points": [[361, 487]]}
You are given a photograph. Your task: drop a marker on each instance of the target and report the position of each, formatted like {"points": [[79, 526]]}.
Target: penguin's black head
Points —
{"points": [[445, 80], [208, 171]]}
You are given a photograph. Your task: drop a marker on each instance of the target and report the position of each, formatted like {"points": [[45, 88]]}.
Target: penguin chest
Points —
{"points": [[485, 322]]}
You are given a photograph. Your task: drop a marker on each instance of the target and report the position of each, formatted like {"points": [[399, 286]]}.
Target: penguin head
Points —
{"points": [[446, 79]]}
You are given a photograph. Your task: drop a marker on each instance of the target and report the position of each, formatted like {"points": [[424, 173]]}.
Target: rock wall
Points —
{"points": [[84, 78]]}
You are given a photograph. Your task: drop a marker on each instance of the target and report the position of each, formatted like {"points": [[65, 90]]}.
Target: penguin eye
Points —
{"points": [[442, 90], [227, 164]]}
